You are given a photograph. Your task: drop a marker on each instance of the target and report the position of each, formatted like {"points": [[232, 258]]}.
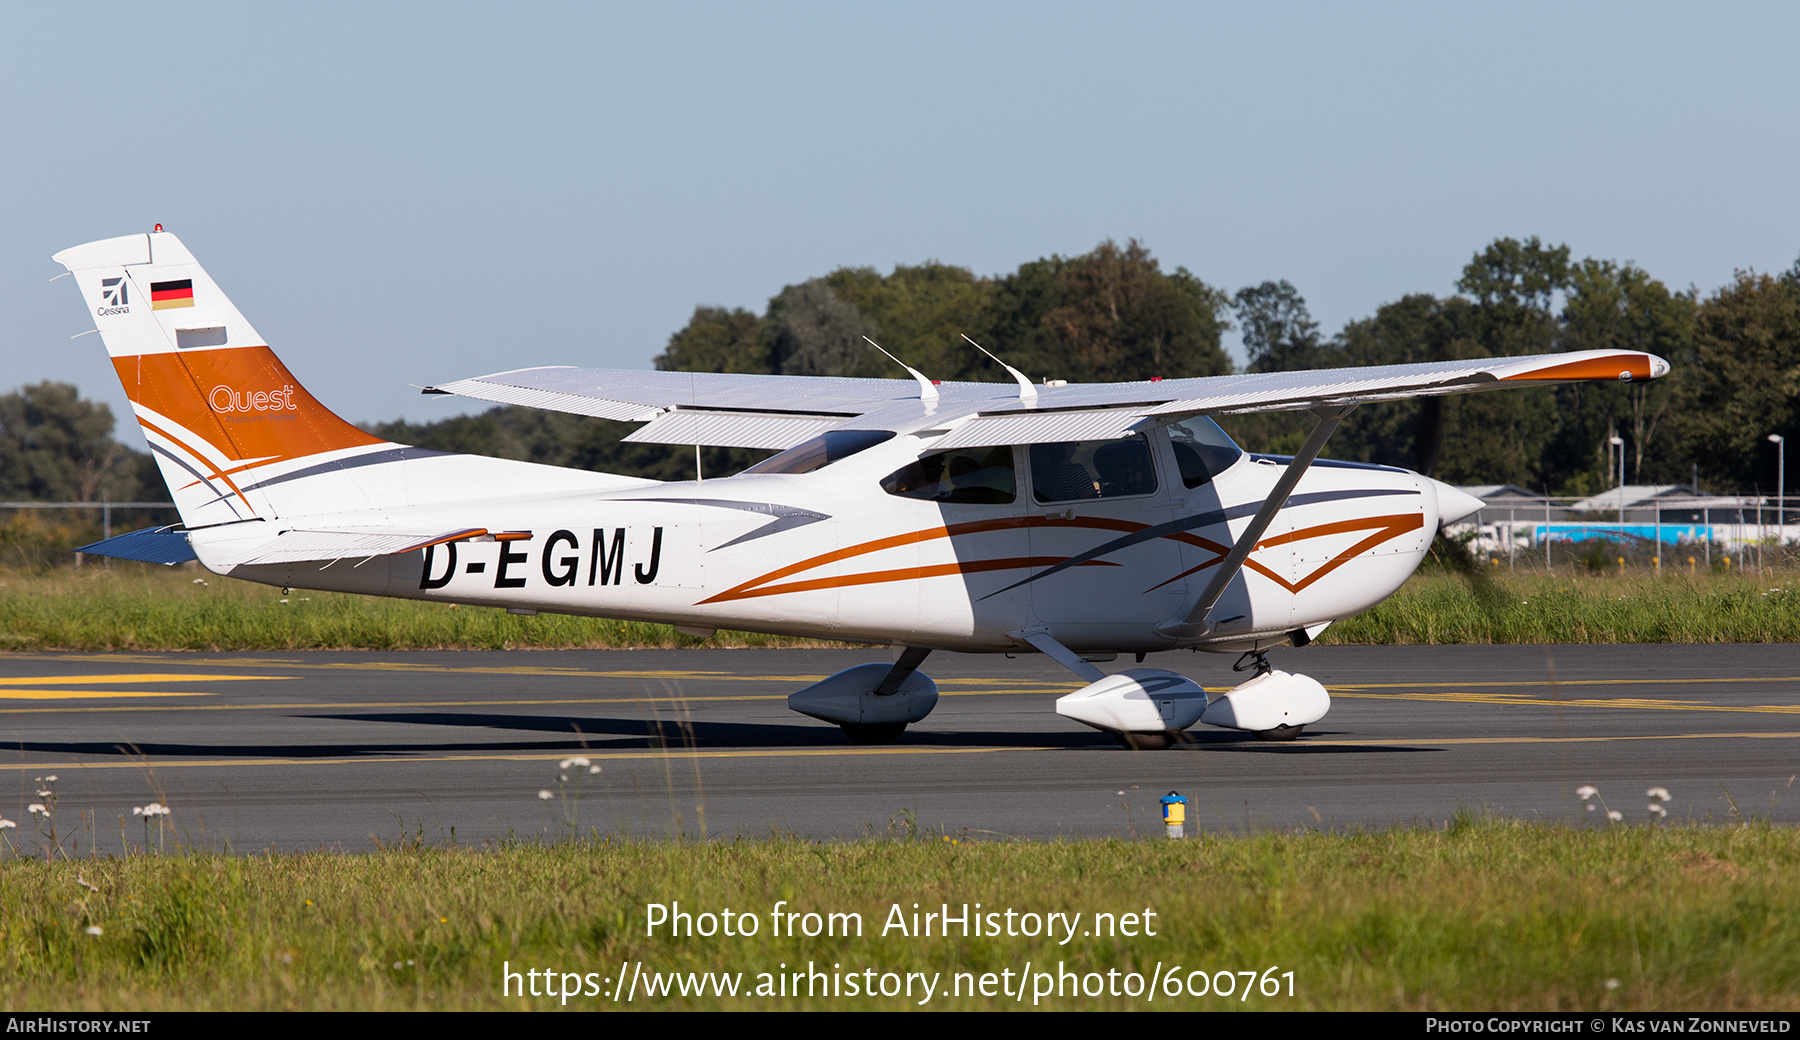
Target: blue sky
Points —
{"points": [[400, 195]]}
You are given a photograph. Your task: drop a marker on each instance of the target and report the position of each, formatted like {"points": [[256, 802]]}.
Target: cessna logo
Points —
{"points": [[115, 296], [225, 399]]}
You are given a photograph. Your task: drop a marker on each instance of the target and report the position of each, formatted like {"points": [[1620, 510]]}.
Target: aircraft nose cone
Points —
{"points": [[1453, 505]]}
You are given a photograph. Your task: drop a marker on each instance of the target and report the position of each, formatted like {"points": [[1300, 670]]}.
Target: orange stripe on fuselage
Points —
{"points": [[936, 570], [1387, 528], [747, 589]]}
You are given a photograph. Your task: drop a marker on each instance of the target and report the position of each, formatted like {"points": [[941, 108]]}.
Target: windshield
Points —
{"points": [[821, 451], [1202, 450]]}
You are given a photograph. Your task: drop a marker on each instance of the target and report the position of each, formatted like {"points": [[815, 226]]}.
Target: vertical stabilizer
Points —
{"points": [[227, 420]]}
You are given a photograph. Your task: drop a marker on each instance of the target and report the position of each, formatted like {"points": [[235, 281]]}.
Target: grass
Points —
{"points": [[141, 607], [145, 607], [1535, 607], [1481, 914]]}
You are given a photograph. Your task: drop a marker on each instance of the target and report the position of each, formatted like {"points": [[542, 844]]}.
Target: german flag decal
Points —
{"points": [[166, 295]]}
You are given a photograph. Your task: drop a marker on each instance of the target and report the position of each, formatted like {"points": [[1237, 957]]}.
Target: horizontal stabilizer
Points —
{"points": [[314, 546], [164, 545]]}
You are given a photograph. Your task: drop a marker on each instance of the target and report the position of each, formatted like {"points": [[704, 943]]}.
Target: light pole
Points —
{"points": [[1619, 442], [1780, 487]]}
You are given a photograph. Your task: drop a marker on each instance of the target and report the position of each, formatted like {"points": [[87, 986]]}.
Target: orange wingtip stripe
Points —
{"points": [[1614, 368]]}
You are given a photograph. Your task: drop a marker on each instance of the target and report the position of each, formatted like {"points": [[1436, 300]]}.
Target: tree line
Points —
{"points": [[1114, 314]]}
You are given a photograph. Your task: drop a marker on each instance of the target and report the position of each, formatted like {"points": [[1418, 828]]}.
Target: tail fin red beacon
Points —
{"points": [[228, 422]]}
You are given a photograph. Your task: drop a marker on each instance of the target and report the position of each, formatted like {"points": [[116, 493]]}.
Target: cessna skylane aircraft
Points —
{"points": [[1081, 521]]}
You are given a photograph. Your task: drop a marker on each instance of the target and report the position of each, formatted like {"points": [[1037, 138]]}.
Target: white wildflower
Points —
{"points": [[593, 770], [1656, 809], [1592, 807], [545, 795], [1586, 791], [46, 794], [1612, 983], [572, 762], [50, 779], [7, 825], [37, 809], [1661, 794], [94, 929], [1614, 815]]}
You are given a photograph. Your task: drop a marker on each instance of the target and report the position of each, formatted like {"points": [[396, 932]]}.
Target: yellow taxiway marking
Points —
{"points": [[675, 701], [1645, 703], [689, 753], [15, 694], [1560, 740], [66, 680], [1546, 683]]}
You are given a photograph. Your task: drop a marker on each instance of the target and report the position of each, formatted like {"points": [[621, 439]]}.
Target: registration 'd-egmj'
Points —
{"points": [[1079, 520]]}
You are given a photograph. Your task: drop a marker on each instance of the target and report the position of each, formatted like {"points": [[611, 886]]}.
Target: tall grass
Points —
{"points": [[1441, 607], [1479, 914], [132, 606]]}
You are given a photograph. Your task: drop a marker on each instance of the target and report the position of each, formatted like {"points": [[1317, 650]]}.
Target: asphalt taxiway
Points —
{"points": [[309, 750]]}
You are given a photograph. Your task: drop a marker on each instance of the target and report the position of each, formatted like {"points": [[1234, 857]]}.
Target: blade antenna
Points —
{"points": [[926, 390], [1027, 392]]}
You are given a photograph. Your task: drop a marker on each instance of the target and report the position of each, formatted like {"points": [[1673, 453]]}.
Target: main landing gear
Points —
{"points": [[1144, 709], [872, 703], [1148, 708]]}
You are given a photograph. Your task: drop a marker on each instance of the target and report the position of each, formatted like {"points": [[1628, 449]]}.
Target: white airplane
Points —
{"points": [[1081, 521]]}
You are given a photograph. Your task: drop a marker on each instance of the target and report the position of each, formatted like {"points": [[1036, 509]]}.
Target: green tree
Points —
{"points": [[1110, 314], [1620, 307], [920, 314], [1743, 380], [718, 340], [1279, 333], [815, 332], [57, 447]]}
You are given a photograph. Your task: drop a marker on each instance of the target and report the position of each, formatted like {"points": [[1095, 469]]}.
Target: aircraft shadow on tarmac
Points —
{"points": [[596, 733], [589, 733]]}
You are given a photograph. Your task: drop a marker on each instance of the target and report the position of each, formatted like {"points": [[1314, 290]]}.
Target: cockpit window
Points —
{"points": [[1072, 470], [822, 450], [1202, 450], [971, 476]]}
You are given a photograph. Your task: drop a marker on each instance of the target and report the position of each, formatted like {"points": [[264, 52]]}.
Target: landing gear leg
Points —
{"points": [[1257, 660]]}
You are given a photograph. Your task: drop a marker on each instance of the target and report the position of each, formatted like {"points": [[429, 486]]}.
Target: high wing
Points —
{"points": [[769, 411]]}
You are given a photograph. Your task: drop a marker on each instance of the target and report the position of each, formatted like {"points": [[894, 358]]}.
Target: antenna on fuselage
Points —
{"points": [[926, 390], [1027, 392]]}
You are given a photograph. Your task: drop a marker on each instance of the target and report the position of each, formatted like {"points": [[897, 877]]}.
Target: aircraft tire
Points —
{"points": [[873, 733], [1279, 733]]}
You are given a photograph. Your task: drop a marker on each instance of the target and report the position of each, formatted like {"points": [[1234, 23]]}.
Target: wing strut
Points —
{"points": [[1196, 622]]}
